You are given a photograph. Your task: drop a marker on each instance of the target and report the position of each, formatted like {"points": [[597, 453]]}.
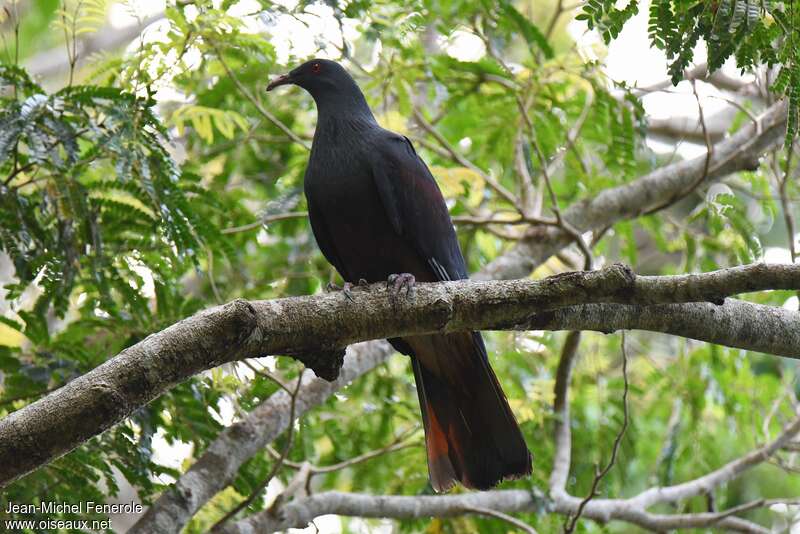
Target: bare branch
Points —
{"points": [[298, 486], [301, 512], [738, 152], [396, 444], [257, 103], [562, 223], [315, 329], [266, 219], [464, 162], [220, 462], [599, 475], [689, 129], [706, 163], [735, 323], [275, 466], [523, 526], [562, 435], [699, 72], [783, 179]]}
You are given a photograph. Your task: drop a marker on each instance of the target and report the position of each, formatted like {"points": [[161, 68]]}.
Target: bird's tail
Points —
{"points": [[470, 432]]}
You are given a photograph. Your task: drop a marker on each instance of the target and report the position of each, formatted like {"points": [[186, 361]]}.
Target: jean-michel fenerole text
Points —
{"points": [[88, 507]]}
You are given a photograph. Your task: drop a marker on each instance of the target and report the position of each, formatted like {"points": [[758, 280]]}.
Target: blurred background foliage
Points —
{"points": [[149, 179]]}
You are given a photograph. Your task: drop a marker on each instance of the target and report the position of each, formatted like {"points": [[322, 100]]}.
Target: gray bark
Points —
{"points": [[735, 323], [316, 329], [300, 512], [218, 465]]}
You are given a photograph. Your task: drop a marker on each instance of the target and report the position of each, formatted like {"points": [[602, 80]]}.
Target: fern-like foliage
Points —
{"points": [[87, 188], [604, 15], [754, 32], [76, 17]]}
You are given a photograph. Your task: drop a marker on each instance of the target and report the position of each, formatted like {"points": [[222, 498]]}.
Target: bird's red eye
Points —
{"points": [[315, 68]]}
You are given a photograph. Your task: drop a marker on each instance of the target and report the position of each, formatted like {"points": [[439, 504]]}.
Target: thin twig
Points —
{"points": [[16, 38], [257, 103], [787, 210], [570, 526], [395, 445], [269, 376], [264, 220], [477, 220], [210, 272], [706, 164], [18, 171], [530, 200], [523, 526], [554, 19], [562, 222], [456, 156], [298, 485], [572, 135], [275, 466]]}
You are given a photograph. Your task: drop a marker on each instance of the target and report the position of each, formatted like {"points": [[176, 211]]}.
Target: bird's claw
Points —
{"points": [[346, 289], [400, 281]]}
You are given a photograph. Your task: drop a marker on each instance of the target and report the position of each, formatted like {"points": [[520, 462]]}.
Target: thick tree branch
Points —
{"points": [[735, 323], [316, 329], [740, 324], [300, 512], [220, 462], [738, 152], [689, 128]]}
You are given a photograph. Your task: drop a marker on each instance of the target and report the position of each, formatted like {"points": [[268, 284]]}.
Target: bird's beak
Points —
{"points": [[280, 80]]}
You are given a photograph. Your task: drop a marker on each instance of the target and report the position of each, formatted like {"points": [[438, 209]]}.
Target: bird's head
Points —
{"points": [[316, 76], [333, 89]]}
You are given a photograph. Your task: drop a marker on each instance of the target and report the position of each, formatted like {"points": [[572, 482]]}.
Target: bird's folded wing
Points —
{"points": [[325, 240], [415, 206]]}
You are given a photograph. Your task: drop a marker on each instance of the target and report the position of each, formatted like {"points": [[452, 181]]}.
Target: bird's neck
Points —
{"points": [[344, 107]]}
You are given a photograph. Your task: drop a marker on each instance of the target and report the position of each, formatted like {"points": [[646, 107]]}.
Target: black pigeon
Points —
{"points": [[376, 210]]}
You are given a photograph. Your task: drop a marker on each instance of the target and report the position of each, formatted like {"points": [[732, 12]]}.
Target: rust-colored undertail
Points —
{"points": [[471, 435]]}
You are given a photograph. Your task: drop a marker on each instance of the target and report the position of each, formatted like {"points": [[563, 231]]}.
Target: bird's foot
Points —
{"points": [[400, 281], [347, 289]]}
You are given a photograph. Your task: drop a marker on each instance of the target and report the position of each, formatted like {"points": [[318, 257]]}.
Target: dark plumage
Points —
{"points": [[375, 210]]}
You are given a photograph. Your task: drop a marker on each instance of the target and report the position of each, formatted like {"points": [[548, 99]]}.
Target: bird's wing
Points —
{"points": [[415, 206], [324, 239]]}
